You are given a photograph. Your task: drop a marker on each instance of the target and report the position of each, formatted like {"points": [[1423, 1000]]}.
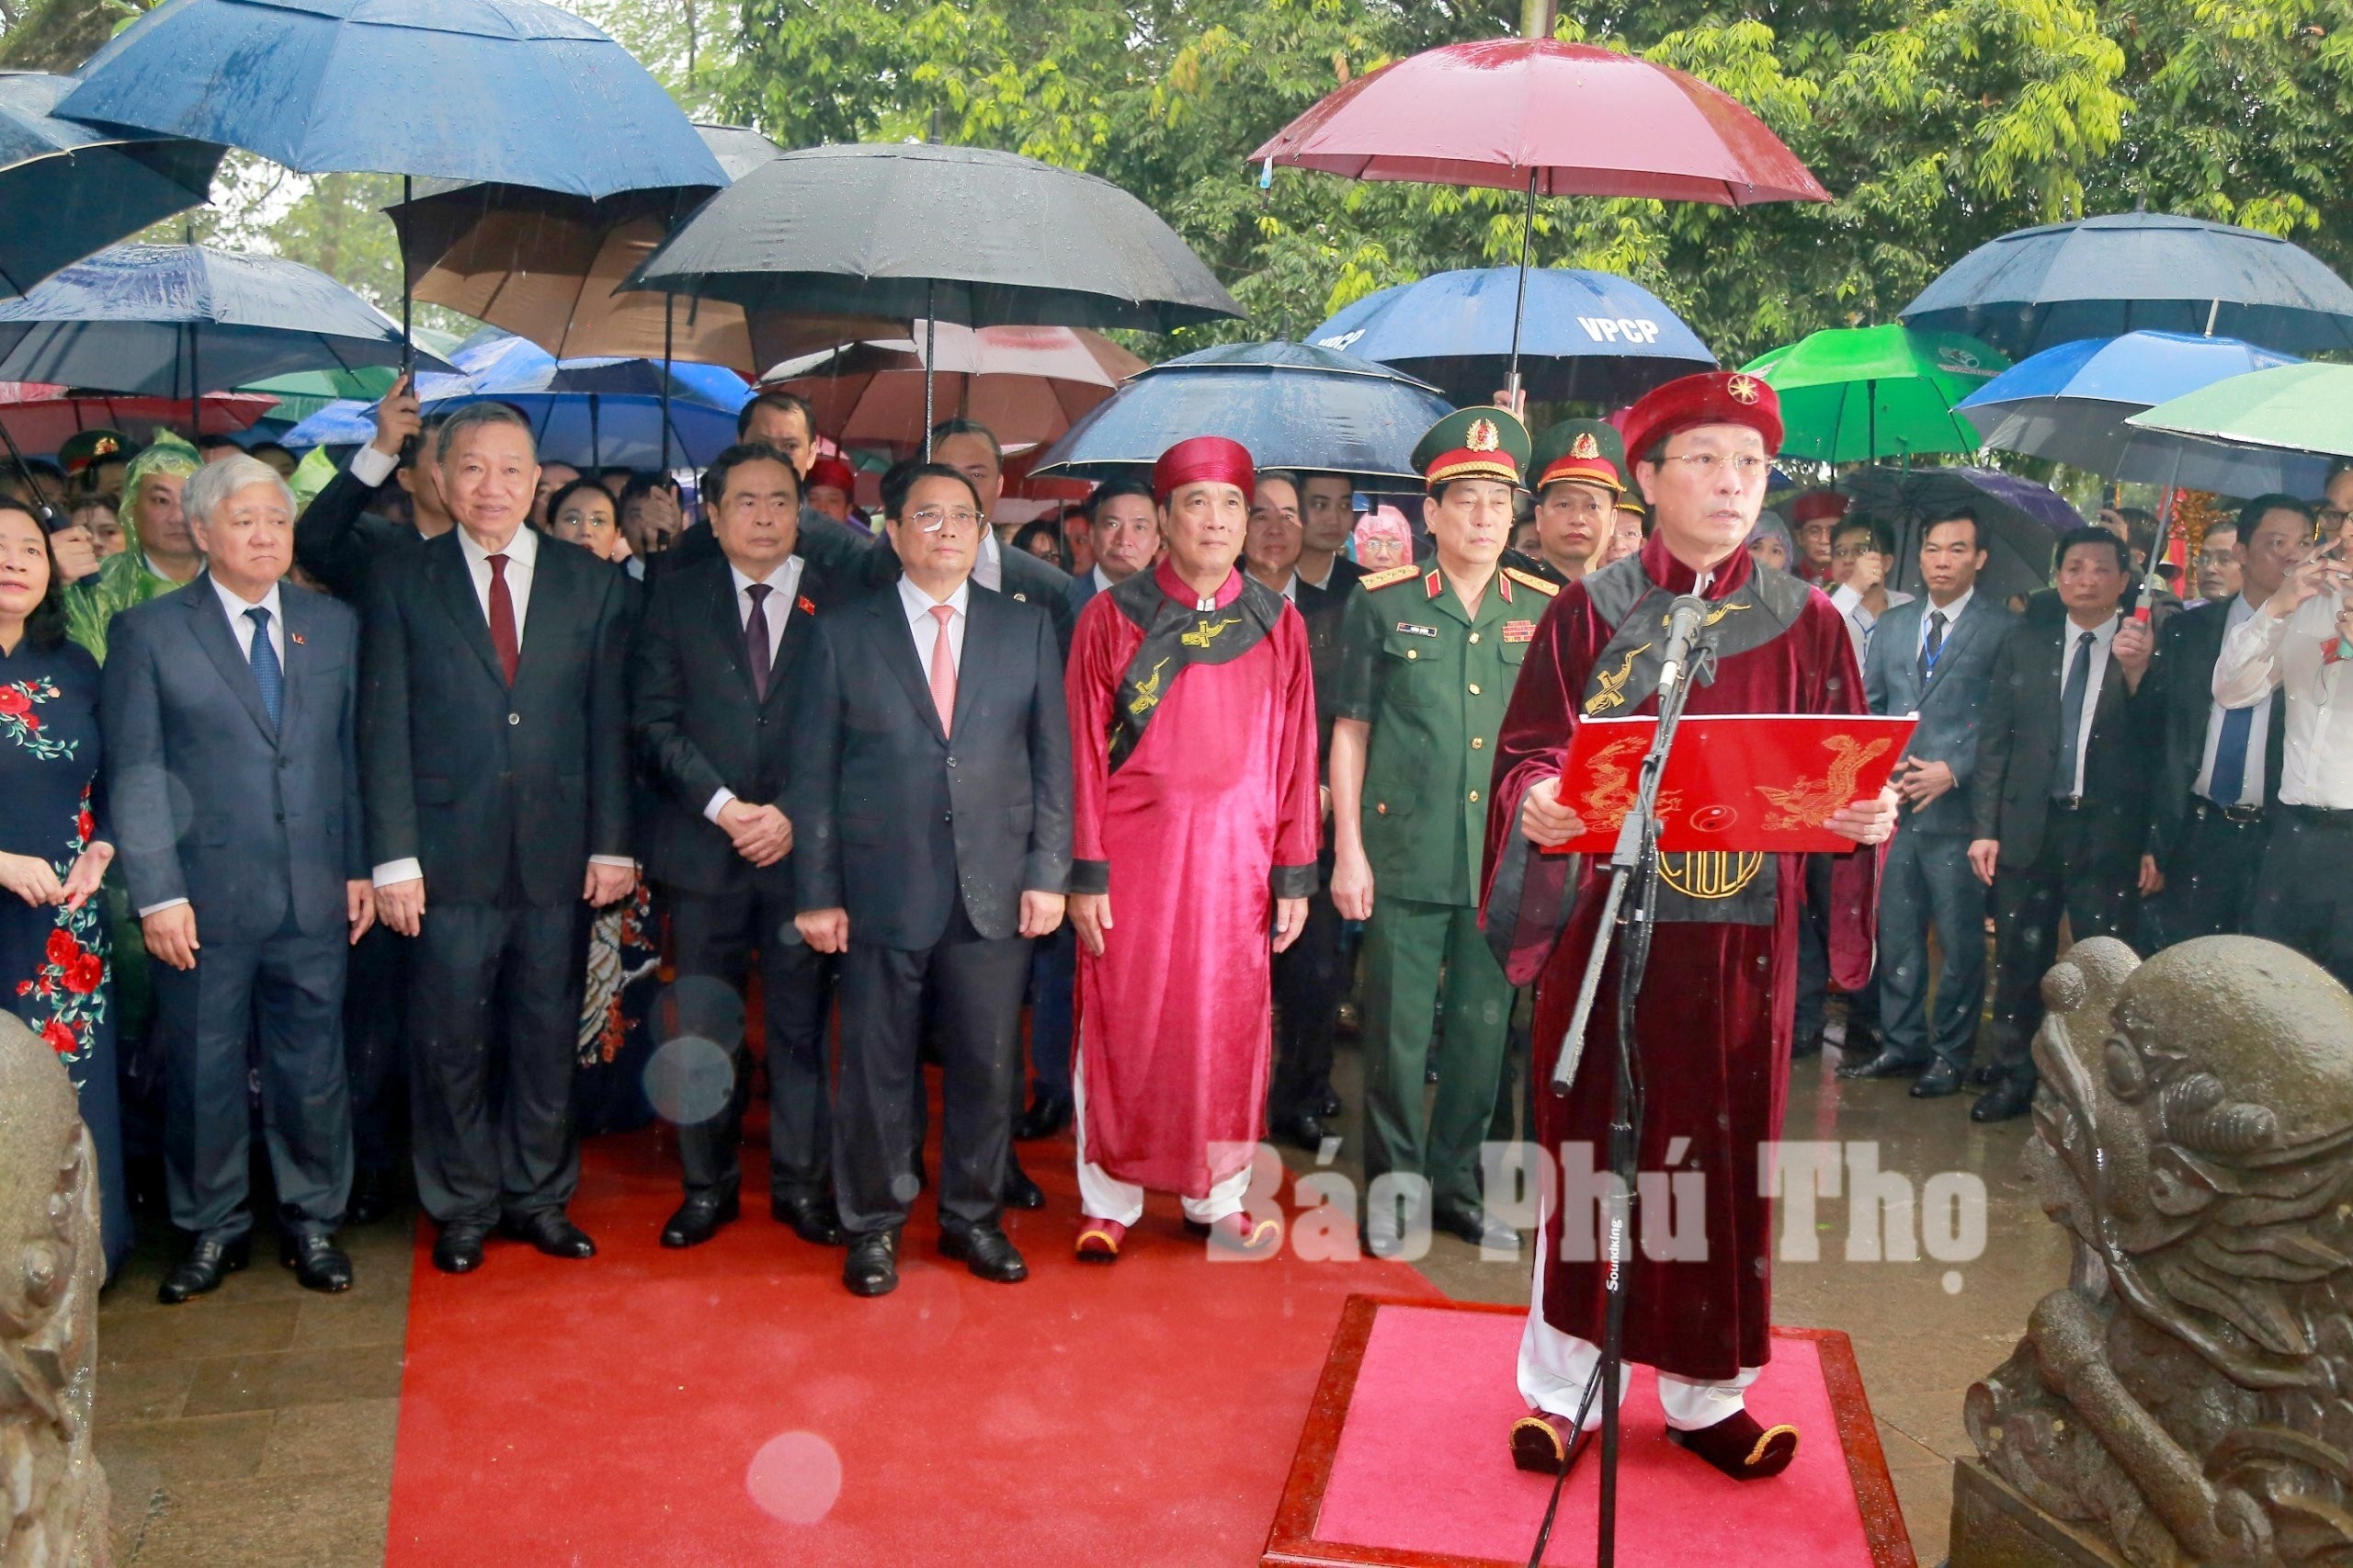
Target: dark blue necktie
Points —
{"points": [[269, 674], [2227, 785], [2070, 715]]}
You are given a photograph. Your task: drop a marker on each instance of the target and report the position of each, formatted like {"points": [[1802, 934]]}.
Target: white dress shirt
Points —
{"points": [[2103, 636], [370, 467], [242, 632], [786, 583], [924, 627], [1860, 621], [522, 554], [2264, 652], [1102, 584], [988, 571], [1951, 612], [2258, 736]]}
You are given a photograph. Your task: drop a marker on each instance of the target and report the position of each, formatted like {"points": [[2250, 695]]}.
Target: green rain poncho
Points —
{"points": [[124, 580]]}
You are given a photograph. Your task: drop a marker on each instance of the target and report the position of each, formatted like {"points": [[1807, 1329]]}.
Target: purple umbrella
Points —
{"points": [[2022, 519]]}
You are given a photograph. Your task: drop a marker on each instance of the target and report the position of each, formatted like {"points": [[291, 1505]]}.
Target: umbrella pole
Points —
{"points": [[930, 347], [596, 436], [667, 298], [1520, 301], [408, 341], [195, 391]]}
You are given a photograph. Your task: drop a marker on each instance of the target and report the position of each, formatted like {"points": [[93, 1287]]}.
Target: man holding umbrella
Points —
{"points": [[1427, 663]]}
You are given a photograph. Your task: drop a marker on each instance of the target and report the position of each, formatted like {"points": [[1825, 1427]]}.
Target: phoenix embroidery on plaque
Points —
{"points": [[1148, 690], [1613, 687], [1811, 802], [1204, 633]]}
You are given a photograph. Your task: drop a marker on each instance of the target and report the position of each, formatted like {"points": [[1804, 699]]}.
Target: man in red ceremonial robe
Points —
{"points": [[1192, 718], [1716, 1012]]}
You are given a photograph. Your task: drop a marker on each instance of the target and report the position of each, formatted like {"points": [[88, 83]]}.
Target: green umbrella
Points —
{"points": [[1857, 394], [2298, 408], [301, 393]]}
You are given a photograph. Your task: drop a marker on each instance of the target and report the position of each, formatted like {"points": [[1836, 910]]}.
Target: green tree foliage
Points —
{"points": [[1936, 124]]}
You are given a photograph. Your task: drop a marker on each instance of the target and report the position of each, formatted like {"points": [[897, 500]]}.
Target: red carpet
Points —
{"points": [[1409, 1463], [733, 1405]]}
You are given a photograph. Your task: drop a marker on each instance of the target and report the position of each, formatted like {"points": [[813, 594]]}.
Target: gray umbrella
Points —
{"points": [[916, 232]]}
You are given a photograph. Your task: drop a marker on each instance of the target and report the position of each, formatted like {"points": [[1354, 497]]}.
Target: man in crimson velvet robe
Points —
{"points": [[1715, 1015], [1192, 717]]}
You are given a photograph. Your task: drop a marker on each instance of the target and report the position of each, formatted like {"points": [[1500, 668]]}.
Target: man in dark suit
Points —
{"points": [[1327, 516], [1934, 656], [230, 709], [931, 798], [718, 654], [970, 448], [494, 732], [2062, 797], [2221, 765], [1124, 531]]}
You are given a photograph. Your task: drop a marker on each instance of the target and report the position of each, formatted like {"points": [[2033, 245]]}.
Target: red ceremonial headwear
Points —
{"points": [[832, 471], [1817, 504], [1212, 457], [1712, 397]]}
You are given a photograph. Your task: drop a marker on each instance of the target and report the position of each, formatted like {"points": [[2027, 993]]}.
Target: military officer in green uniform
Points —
{"points": [[1426, 660], [1578, 473]]}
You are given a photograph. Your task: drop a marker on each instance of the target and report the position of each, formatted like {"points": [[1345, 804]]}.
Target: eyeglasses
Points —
{"points": [[931, 519], [1707, 465], [1853, 552], [2332, 516]]}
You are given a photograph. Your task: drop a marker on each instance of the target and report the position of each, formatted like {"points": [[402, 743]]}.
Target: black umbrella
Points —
{"points": [[2129, 271], [914, 231], [74, 189], [2023, 520]]}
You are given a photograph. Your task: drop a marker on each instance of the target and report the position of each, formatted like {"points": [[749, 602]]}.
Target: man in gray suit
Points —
{"points": [[230, 712], [1933, 656]]}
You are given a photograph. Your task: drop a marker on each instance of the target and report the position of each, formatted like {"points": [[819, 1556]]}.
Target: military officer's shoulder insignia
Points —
{"points": [[1376, 580], [1530, 580]]}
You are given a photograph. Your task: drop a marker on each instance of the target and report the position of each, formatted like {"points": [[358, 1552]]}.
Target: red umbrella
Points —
{"points": [[1025, 383], [39, 418], [1552, 117]]}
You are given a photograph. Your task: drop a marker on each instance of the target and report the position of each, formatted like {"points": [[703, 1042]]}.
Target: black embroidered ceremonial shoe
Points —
{"points": [[1740, 1448], [1544, 1443]]}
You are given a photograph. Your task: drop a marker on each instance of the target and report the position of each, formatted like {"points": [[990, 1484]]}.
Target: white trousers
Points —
{"points": [[1102, 1195], [1554, 1368]]}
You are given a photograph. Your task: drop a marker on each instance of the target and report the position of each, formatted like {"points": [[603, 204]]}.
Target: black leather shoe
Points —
{"points": [[1303, 1132], [1048, 1114], [1329, 1105], [813, 1218], [318, 1264], [988, 1252], [1886, 1065], [457, 1250], [1942, 1078], [1477, 1227], [374, 1195], [700, 1217], [2008, 1098], [1983, 1075], [872, 1267], [551, 1231], [1810, 1046], [1020, 1192], [1862, 1039], [206, 1263]]}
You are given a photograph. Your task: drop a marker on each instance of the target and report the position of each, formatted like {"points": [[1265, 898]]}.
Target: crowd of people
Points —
{"points": [[444, 810]]}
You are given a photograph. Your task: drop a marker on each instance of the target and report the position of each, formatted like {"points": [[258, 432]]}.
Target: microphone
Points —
{"points": [[1683, 618]]}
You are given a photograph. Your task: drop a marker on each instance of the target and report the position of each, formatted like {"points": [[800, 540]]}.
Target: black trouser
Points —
{"points": [[1813, 963], [2305, 898], [976, 987], [714, 936], [1311, 980], [2210, 886], [288, 992], [494, 1020], [375, 1048], [2028, 903]]}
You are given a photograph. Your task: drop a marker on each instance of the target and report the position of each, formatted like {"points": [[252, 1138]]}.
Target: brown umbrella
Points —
{"points": [[1028, 384]]}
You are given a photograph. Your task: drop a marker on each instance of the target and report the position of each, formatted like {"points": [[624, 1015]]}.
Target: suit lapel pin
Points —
{"points": [[296, 638]]}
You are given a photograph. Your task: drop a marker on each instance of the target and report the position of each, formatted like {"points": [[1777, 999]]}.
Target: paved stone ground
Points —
{"points": [[255, 1427]]}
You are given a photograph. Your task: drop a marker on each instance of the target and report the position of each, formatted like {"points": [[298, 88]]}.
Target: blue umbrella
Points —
{"points": [[1293, 405], [77, 190], [177, 321], [2132, 271], [1590, 336], [2070, 404], [512, 91]]}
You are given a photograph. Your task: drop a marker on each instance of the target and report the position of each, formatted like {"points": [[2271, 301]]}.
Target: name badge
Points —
{"points": [[1418, 630], [1519, 631]]}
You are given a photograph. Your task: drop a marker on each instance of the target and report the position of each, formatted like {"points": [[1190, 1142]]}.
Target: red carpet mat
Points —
{"points": [[733, 1405], [1405, 1461]]}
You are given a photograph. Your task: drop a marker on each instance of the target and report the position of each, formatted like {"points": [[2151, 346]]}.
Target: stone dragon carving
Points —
{"points": [[2188, 1395], [52, 1491]]}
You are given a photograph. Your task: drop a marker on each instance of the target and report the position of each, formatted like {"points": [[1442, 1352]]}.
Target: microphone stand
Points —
{"points": [[1626, 925]]}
